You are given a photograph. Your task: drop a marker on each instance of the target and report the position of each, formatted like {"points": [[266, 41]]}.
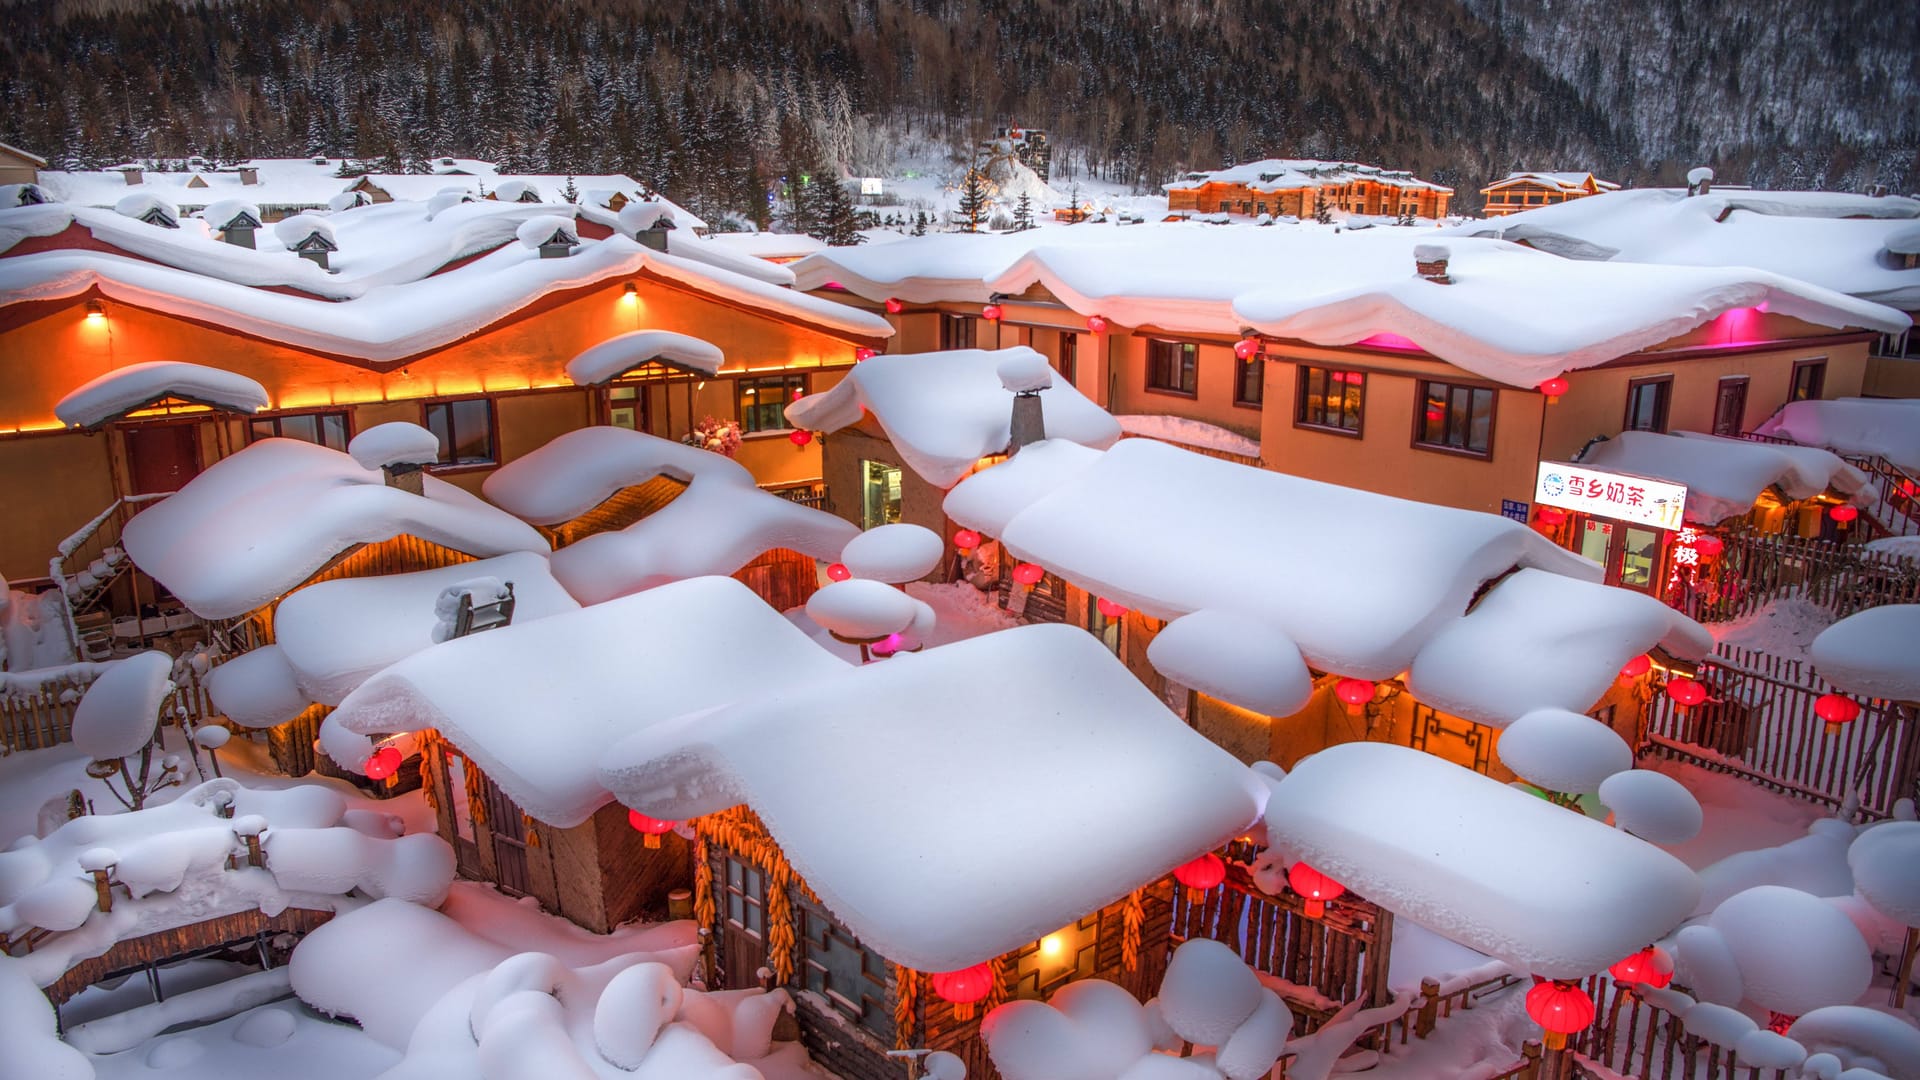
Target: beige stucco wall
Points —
{"points": [[50, 486]]}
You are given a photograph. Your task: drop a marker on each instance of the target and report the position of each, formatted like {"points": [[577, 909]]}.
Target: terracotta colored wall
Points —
{"points": [[1213, 400], [50, 485]]}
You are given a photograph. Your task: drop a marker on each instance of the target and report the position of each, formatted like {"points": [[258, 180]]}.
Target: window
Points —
{"points": [[850, 976], [627, 407], [1809, 380], [464, 428], [1111, 632], [327, 429], [746, 891], [1330, 399], [1730, 407], [1173, 367], [1455, 417], [1067, 954], [764, 400], [956, 331], [1250, 380], [1069, 355], [1647, 401], [879, 494]]}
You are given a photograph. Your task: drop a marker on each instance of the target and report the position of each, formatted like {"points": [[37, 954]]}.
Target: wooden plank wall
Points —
{"points": [[237, 929]]}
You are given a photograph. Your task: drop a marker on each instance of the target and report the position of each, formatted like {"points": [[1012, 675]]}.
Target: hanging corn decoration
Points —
{"points": [[529, 829], [906, 1004], [703, 909], [1133, 919]]}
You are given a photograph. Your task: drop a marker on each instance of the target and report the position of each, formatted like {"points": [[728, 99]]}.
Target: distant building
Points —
{"points": [[1300, 187], [19, 167], [1525, 190]]}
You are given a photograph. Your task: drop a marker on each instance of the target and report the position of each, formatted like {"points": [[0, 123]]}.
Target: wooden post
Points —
{"points": [[103, 889], [1904, 973], [1531, 1053], [1429, 1007]]}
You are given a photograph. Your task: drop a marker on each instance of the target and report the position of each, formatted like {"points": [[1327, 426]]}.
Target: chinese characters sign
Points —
{"points": [[1610, 495]]}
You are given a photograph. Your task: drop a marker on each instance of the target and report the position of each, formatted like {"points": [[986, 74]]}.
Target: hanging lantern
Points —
{"points": [[1561, 1009], [650, 829], [1097, 324], [799, 436], [1435, 415], [992, 312], [1315, 887], [1636, 667], [1551, 516], [964, 988], [1843, 514], [1836, 710], [894, 306], [1709, 546], [1108, 609], [1685, 692], [1246, 348], [1202, 873], [1353, 693], [838, 572], [383, 763], [966, 540], [1029, 573], [1553, 388], [863, 353], [1643, 968]]}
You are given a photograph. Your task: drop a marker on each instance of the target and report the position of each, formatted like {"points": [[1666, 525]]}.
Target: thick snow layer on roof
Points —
{"points": [[1831, 239], [1795, 952], [223, 212], [537, 231], [1209, 534], [721, 522], [859, 608], [1277, 174], [622, 353], [686, 244], [1561, 643], [1189, 432], [895, 554], [1652, 806], [119, 712], [1863, 1037], [693, 644], [480, 178], [1885, 861], [767, 245], [262, 521], [281, 183], [1565, 181], [397, 443], [1725, 476], [257, 689], [1046, 790], [1546, 889], [1235, 657], [1563, 751], [944, 411], [337, 634], [1890, 429], [1873, 654], [123, 389]]}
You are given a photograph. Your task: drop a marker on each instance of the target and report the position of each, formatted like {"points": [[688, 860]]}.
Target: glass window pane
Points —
{"points": [[261, 429], [304, 428], [437, 423], [472, 431], [1480, 436], [1636, 562], [333, 430]]}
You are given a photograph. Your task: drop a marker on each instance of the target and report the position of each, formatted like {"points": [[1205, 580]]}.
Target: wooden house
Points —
{"points": [[1300, 188], [1527, 190], [18, 166]]}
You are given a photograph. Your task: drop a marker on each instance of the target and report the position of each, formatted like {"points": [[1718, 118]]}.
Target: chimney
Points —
{"points": [[1430, 262], [406, 476], [1025, 373], [1878, 191], [238, 235], [249, 175], [315, 255], [557, 246], [1699, 180], [133, 173], [655, 235]]}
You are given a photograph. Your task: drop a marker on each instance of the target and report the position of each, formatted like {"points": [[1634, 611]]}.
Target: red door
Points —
{"points": [[161, 457]]}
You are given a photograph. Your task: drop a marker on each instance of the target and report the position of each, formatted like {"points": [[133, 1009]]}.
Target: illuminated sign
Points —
{"points": [[871, 185], [1658, 503]]}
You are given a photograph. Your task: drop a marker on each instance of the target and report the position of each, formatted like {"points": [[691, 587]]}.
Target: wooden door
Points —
{"points": [[509, 833], [161, 457], [743, 924], [1730, 407]]}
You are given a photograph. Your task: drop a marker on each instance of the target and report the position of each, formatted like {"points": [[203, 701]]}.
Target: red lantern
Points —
{"points": [[1553, 388], [1316, 887], [1642, 969], [894, 306], [1637, 667], [1202, 873], [650, 829], [383, 763], [863, 353], [1029, 573], [1709, 546], [1108, 609], [1436, 415], [964, 988], [1353, 693], [991, 312], [1097, 324], [1843, 514], [966, 540], [1836, 709], [799, 436], [1552, 516], [1561, 1009], [1685, 692], [1246, 348], [838, 572]]}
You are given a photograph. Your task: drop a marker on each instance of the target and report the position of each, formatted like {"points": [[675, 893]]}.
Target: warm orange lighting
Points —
{"points": [[96, 311], [1052, 946], [631, 295]]}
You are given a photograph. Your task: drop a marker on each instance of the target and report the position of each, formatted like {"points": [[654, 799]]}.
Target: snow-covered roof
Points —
{"points": [[622, 353], [1041, 782], [692, 645], [767, 245], [1564, 181], [1832, 239], [119, 712], [944, 411], [1725, 476], [262, 521], [1873, 653], [1544, 888], [480, 178], [1280, 174], [1889, 428], [1205, 536], [721, 522], [282, 183], [135, 386]]}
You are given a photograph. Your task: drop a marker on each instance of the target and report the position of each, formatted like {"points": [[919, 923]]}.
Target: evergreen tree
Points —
{"points": [[834, 219], [973, 199], [920, 223], [1023, 213], [570, 192], [1322, 213]]}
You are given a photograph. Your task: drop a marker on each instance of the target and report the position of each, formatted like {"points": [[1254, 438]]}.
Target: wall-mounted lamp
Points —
{"points": [[96, 311]]}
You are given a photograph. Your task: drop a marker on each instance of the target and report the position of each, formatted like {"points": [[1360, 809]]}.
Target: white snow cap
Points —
{"points": [[513, 191], [1563, 751], [1872, 653], [292, 230], [863, 610], [622, 353], [1034, 756], [1887, 428], [642, 214], [124, 389], [119, 712], [695, 644], [257, 689], [258, 523], [1861, 1037], [221, 212], [1543, 888], [141, 203], [1025, 372], [1652, 806], [537, 231], [945, 411], [1236, 658], [1796, 953], [895, 554], [1725, 476], [397, 443], [1428, 253], [1885, 861], [1699, 174]]}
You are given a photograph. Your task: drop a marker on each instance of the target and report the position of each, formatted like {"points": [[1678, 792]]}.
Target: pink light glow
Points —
{"points": [[1388, 341], [836, 285], [1738, 326]]}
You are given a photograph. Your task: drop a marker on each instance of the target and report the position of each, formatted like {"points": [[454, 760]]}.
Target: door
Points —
{"points": [[1630, 553], [509, 833], [1730, 408], [161, 457], [743, 924]]}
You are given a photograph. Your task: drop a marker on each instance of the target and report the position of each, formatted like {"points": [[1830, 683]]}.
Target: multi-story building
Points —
{"points": [[1526, 190], [1301, 187]]}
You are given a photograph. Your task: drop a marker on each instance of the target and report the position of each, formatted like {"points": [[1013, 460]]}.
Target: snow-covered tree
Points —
{"points": [[973, 199], [1023, 213]]}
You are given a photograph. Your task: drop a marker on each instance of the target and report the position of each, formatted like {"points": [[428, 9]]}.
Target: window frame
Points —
{"points": [[346, 423], [1300, 388], [1818, 383], [642, 404], [1180, 348], [955, 326], [816, 926], [1745, 383], [1069, 360], [1662, 386], [788, 381], [493, 432], [1419, 416], [1256, 366]]}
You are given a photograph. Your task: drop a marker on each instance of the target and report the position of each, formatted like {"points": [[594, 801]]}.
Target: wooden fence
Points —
{"points": [[1758, 723], [1631, 1036], [1754, 570], [37, 717]]}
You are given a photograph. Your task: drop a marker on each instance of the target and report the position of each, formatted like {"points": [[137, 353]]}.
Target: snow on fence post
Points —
{"points": [[1429, 1008]]}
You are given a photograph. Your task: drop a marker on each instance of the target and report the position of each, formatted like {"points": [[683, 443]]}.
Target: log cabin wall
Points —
{"points": [[617, 511], [784, 578], [632, 879]]}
